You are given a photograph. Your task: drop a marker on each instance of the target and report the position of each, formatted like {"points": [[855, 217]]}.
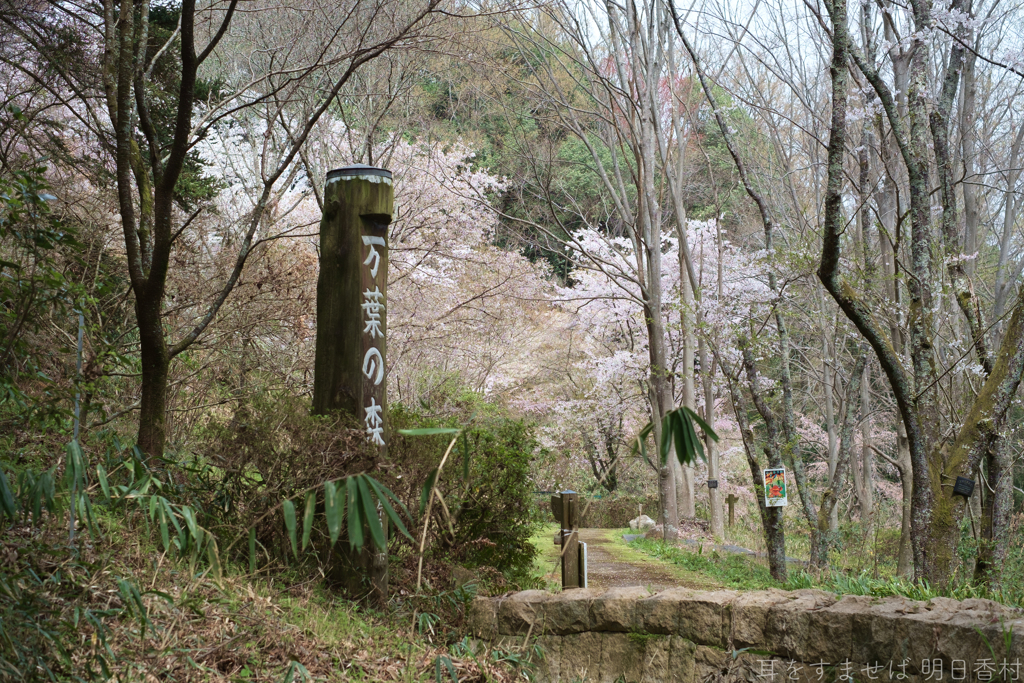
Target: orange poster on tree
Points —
{"points": [[775, 487]]}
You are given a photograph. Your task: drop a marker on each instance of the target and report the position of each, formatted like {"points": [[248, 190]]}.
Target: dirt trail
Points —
{"points": [[606, 568], [611, 563]]}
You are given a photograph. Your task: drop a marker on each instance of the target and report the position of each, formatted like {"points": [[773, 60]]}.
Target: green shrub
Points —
{"points": [[270, 450], [494, 515], [273, 449], [486, 520]]}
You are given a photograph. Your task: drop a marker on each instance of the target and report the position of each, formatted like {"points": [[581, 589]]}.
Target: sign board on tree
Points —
{"points": [[775, 487]]}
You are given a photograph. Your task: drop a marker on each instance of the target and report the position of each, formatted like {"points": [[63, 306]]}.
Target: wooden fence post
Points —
{"points": [[732, 503]]}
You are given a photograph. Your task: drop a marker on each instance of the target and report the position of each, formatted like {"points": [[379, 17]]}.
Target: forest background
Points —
{"points": [[800, 220]]}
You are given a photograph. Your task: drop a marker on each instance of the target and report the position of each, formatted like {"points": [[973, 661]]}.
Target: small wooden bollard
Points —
{"points": [[564, 508], [731, 500]]}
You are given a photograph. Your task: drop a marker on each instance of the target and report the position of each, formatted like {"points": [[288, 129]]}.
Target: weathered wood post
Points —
{"points": [[351, 308], [732, 503], [564, 507]]}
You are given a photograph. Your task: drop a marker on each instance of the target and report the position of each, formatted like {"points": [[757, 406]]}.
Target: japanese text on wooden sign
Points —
{"points": [[373, 278]]}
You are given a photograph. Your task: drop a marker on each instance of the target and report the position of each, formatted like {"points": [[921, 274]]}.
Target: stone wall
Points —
{"points": [[805, 636]]}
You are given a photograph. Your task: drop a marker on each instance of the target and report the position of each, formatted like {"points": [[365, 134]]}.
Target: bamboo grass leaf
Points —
{"points": [[355, 521], [307, 519], [381, 492], [101, 475], [391, 496], [197, 543], [90, 519], [688, 454], [641, 443], [695, 439], [289, 522], [680, 437], [37, 501], [705, 427], [333, 511], [76, 460], [372, 518], [165, 533], [213, 556], [170, 513], [190, 521], [49, 490]]}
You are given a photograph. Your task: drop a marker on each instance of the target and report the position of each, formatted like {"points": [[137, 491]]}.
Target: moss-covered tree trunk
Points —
{"points": [[935, 462], [995, 516], [771, 517]]}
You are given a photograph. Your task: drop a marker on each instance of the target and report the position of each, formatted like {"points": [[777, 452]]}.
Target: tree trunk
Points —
{"points": [[866, 494], [844, 460], [855, 474], [830, 425], [995, 517], [865, 220], [649, 229], [156, 362], [714, 498], [905, 563], [771, 517], [969, 147], [669, 511], [1011, 205], [981, 433], [684, 482], [660, 405]]}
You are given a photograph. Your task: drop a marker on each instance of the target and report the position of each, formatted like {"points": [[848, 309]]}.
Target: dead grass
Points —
{"points": [[185, 626]]}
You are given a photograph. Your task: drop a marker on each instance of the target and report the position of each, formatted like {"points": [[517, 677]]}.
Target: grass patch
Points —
{"points": [[739, 573], [726, 569], [546, 567], [116, 607], [864, 584], [644, 638]]}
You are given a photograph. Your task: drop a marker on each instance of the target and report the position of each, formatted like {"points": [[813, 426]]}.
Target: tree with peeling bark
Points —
{"points": [[940, 451]]}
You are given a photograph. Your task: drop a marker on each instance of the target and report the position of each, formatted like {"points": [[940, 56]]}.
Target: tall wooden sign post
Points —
{"points": [[351, 309]]}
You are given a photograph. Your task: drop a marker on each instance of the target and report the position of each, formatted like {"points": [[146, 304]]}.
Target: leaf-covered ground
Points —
{"points": [[118, 609]]}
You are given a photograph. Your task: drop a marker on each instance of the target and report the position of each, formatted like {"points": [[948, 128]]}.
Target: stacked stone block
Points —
{"points": [[807, 636]]}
